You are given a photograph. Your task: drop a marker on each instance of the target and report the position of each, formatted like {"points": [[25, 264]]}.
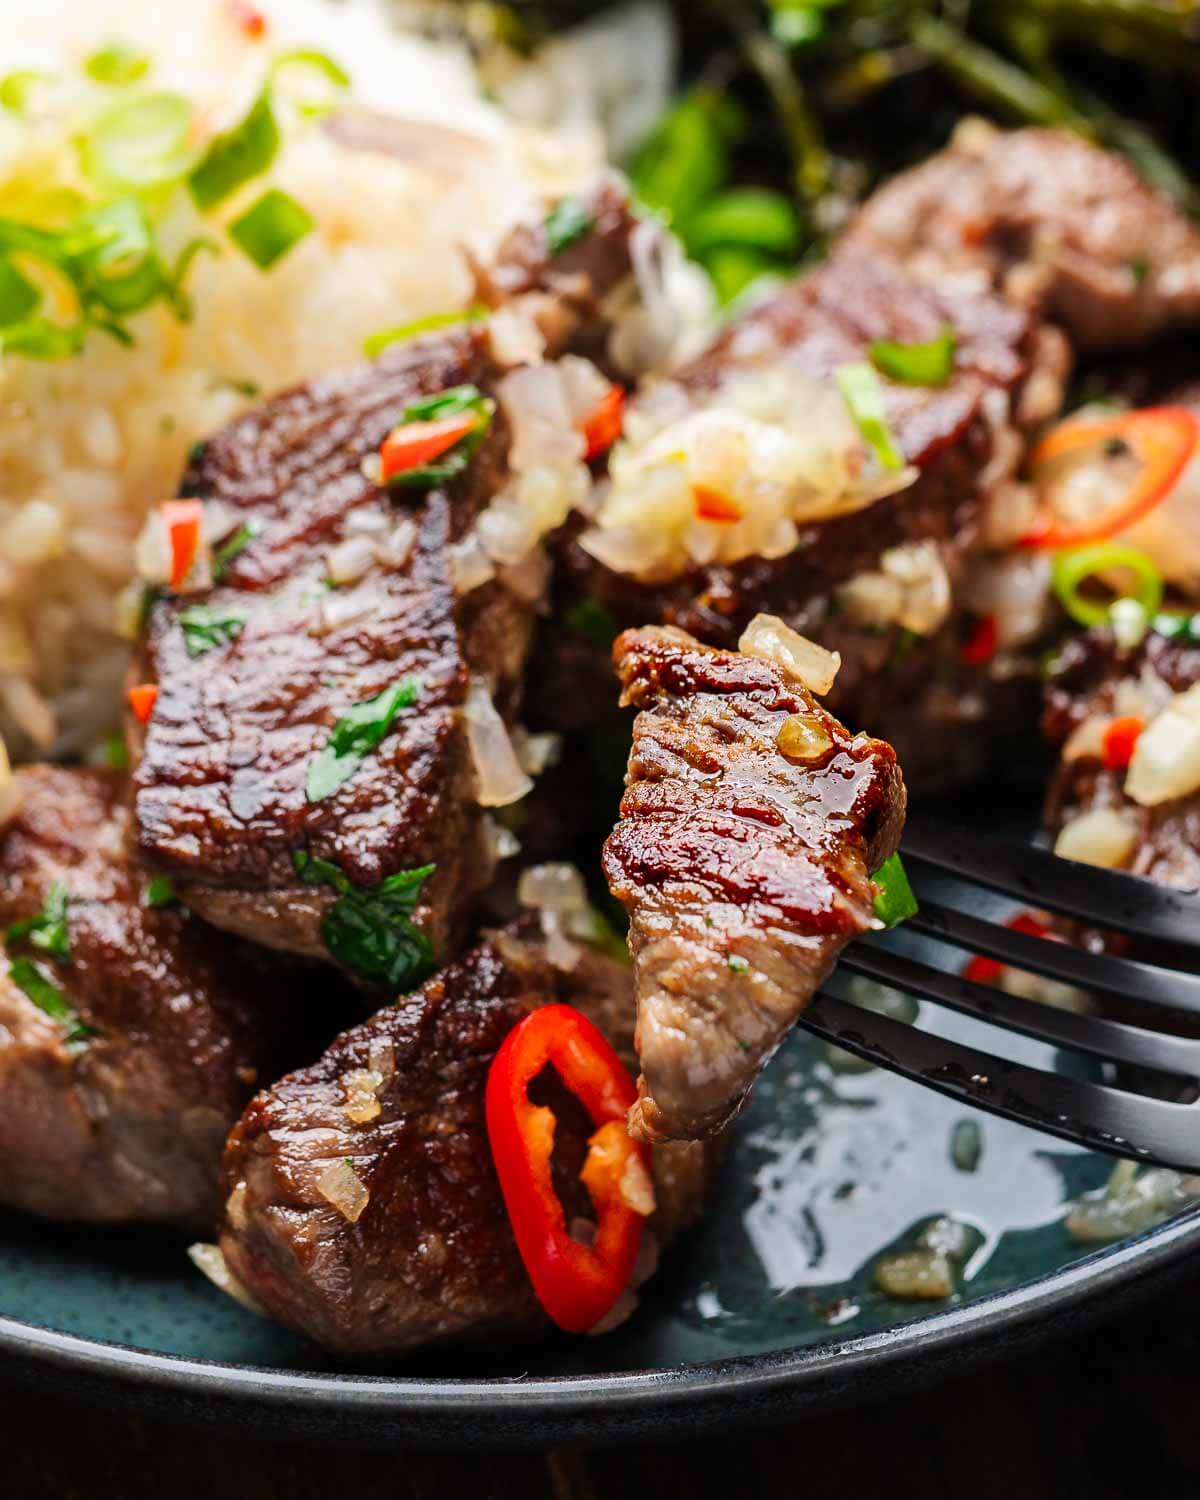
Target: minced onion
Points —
{"points": [[499, 777], [1102, 836], [1166, 759], [340, 1185], [768, 637]]}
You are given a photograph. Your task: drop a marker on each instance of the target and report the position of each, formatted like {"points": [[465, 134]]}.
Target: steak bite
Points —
{"points": [[750, 826], [1054, 222], [363, 1207], [331, 713], [128, 1040]]}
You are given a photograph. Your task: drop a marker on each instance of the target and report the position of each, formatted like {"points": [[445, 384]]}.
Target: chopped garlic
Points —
{"points": [[1103, 836], [768, 637], [341, 1186], [350, 559]]}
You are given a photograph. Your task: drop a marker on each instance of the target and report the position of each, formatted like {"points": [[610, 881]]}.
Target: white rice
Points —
{"points": [[88, 444]]}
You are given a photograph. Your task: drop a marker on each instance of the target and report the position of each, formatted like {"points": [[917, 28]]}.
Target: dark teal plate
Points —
{"points": [[768, 1307]]}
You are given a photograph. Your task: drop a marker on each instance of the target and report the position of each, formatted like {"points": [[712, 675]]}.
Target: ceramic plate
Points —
{"points": [[770, 1305]]}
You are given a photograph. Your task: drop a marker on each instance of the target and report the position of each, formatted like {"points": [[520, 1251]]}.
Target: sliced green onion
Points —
{"points": [[931, 363], [16, 88], [139, 143], [894, 899], [376, 343], [233, 546], [1071, 570], [48, 998], [48, 930], [18, 296], [308, 60], [159, 892], [206, 627], [114, 258], [750, 216], [1176, 627], [355, 735], [117, 65], [568, 221], [235, 157], [734, 268], [863, 396], [270, 227], [176, 289]]}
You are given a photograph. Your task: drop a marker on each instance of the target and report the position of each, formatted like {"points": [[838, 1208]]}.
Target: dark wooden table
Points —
{"points": [[1110, 1413]]}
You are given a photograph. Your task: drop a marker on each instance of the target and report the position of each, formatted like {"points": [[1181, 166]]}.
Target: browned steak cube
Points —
{"points": [[131, 1035], [751, 823], [1054, 222], [259, 677], [363, 1208]]}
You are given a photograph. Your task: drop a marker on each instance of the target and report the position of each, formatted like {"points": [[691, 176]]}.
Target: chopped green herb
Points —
{"points": [[116, 753], [316, 64], [568, 221], [750, 217], [176, 290], [270, 227], [117, 65], [1072, 569], [930, 363], [159, 892], [235, 157], [113, 256], [863, 396], [47, 931], [591, 621], [738, 964], [206, 626], [685, 160], [15, 89], [18, 296], [458, 398], [48, 998], [355, 735], [1176, 627], [376, 343], [894, 899], [1139, 268], [138, 144], [233, 546], [368, 930]]}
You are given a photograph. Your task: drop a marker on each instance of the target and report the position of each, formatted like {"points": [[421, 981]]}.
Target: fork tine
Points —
{"points": [[1107, 898], [1125, 978], [1131, 1045], [1106, 1119]]}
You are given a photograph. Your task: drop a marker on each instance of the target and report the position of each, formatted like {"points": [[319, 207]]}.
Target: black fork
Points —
{"points": [[1146, 1106]]}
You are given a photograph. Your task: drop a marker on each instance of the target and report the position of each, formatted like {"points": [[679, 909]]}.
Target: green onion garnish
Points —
{"points": [[205, 627], [308, 60], [233, 546], [117, 65], [1072, 569], [863, 396], [48, 998], [894, 899], [568, 221], [376, 343], [243, 152], [270, 228], [931, 363], [368, 930], [116, 753], [16, 88], [355, 735], [48, 930], [750, 217], [138, 144], [160, 891]]}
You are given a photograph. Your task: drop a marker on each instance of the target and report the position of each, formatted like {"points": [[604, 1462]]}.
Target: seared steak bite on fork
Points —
{"points": [[363, 1207], [751, 824], [331, 714], [130, 1034]]}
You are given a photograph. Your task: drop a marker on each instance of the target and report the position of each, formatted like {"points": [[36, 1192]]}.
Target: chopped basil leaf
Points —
{"points": [[233, 547], [376, 343], [243, 152], [48, 998], [355, 735], [863, 396], [140, 143], [270, 227], [458, 398], [117, 65], [368, 931], [894, 900], [567, 222], [48, 930], [206, 626], [931, 363], [591, 621], [18, 296], [159, 892]]}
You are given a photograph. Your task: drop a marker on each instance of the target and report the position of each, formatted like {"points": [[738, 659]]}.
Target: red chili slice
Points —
{"points": [[248, 19], [415, 444], [1119, 739], [577, 1284], [185, 525], [141, 700], [980, 646], [1163, 438], [602, 427], [712, 505]]}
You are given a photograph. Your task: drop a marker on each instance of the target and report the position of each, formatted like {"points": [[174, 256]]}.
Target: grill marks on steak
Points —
{"points": [[431, 1257], [1054, 222], [744, 872], [129, 1125], [220, 797]]}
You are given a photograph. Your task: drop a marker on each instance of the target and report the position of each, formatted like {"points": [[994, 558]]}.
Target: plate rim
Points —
{"points": [[621, 1406]]}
